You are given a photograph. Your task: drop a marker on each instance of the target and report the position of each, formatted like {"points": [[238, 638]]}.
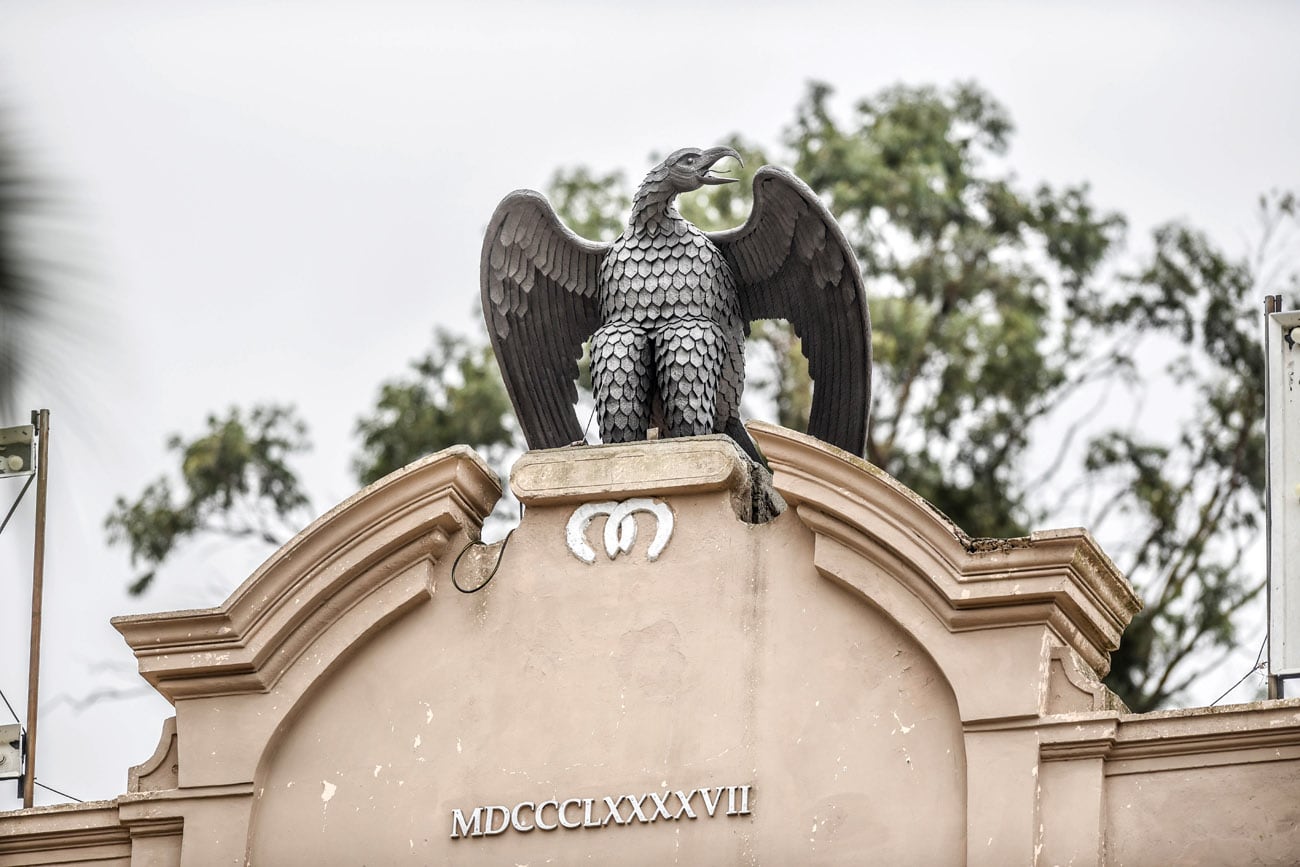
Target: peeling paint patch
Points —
{"points": [[327, 790]]}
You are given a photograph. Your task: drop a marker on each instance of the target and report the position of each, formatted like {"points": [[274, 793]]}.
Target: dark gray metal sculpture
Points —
{"points": [[667, 308]]}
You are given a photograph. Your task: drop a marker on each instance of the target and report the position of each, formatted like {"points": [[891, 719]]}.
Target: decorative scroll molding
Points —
{"points": [[620, 527], [159, 771], [359, 547], [1058, 578]]}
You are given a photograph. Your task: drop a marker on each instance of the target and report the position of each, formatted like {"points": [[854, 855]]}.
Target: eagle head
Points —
{"points": [[689, 169]]}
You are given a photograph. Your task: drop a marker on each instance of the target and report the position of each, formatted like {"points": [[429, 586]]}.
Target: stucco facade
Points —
{"points": [[854, 682]]}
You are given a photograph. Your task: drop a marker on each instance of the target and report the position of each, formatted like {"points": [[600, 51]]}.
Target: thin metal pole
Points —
{"points": [[38, 581]]}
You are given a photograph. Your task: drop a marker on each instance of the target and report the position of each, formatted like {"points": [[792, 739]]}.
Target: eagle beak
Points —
{"points": [[710, 158]]}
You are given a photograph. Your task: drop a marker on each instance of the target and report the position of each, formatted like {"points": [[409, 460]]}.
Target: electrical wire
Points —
{"points": [[492, 574], [57, 792], [500, 555], [1259, 660], [38, 782], [11, 707], [14, 507]]}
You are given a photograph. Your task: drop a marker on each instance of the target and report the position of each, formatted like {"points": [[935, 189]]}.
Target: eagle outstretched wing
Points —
{"points": [[540, 304], [792, 262]]}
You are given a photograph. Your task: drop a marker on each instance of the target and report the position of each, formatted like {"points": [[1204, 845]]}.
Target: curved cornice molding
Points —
{"points": [[245, 644], [1058, 578]]}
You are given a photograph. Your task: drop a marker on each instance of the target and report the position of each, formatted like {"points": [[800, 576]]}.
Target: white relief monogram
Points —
{"points": [[620, 527]]}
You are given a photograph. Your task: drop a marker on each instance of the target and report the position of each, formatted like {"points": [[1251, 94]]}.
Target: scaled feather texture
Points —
{"points": [[667, 307]]}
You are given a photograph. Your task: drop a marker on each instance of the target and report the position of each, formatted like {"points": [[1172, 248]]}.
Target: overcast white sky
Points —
{"points": [[278, 201]]}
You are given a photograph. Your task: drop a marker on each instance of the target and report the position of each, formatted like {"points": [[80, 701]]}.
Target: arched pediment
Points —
{"points": [[400, 523], [1060, 579], [859, 619]]}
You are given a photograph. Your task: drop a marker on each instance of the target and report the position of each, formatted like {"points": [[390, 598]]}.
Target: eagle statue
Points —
{"points": [[667, 307]]}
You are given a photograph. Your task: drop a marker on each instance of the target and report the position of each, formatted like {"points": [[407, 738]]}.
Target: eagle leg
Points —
{"points": [[621, 381], [688, 362]]}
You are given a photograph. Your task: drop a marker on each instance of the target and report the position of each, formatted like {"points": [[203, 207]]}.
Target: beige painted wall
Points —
{"points": [[893, 691], [1205, 816], [728, 660]]}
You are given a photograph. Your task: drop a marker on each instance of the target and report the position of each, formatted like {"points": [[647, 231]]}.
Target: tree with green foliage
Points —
{"points": [[20, 293], [46, 310], [995, 308], [236, 483], [456, 396], [985, 296], [1190, 509], [236, 478], [27, 302]]}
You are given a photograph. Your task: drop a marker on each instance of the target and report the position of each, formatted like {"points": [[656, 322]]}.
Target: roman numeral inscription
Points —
{"points": [[578, 813]]}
